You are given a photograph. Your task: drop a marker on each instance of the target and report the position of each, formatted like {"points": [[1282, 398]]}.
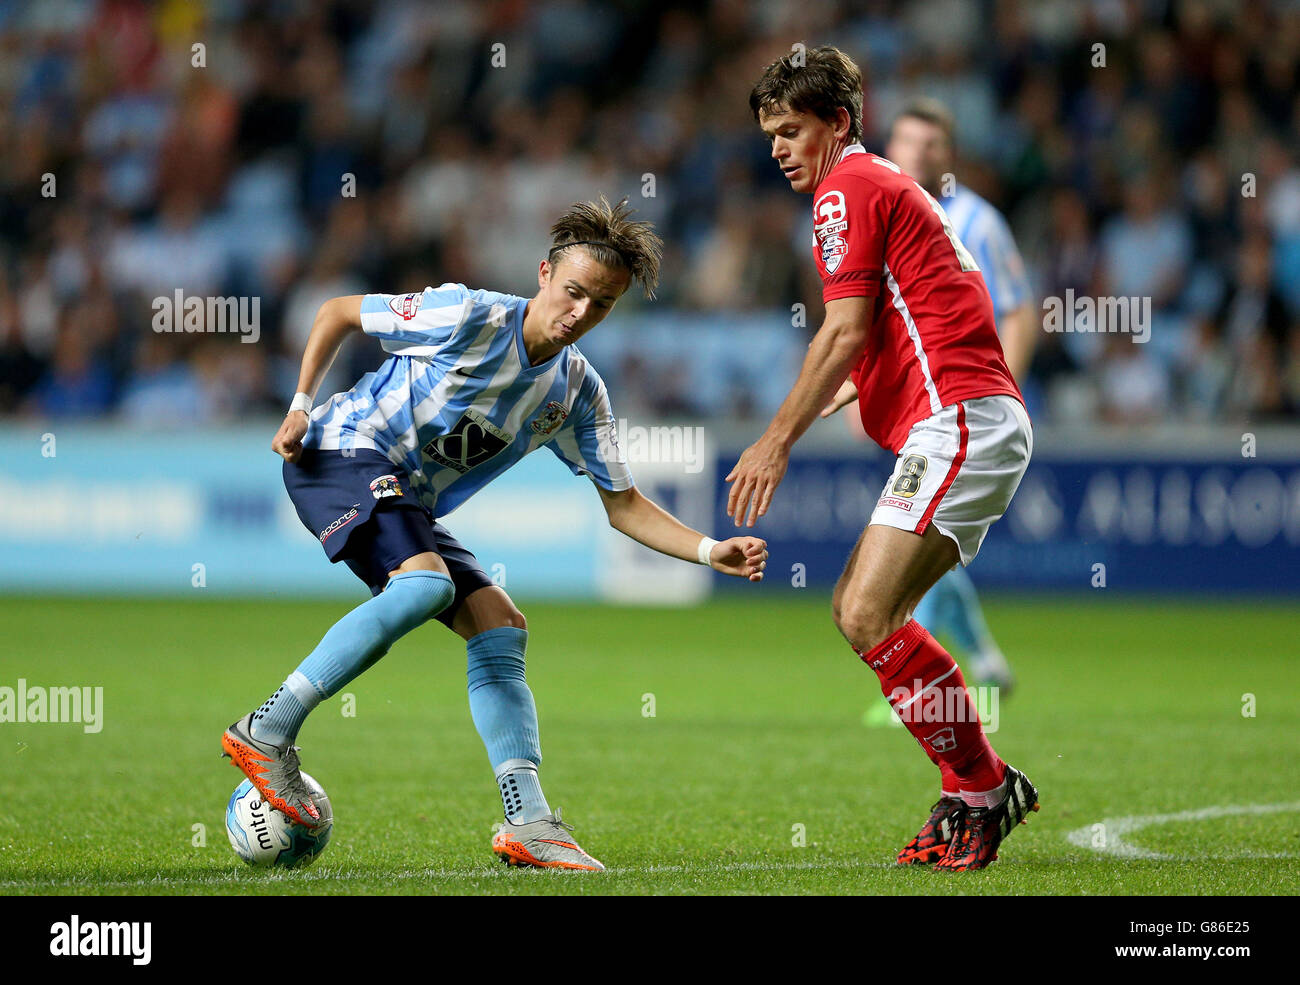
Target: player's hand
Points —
{"points": [[759, 471], [847, 393], [287, 442], [744, 557]]}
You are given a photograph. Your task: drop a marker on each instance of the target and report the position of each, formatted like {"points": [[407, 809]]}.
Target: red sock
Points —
{"points": [[925, 687]]}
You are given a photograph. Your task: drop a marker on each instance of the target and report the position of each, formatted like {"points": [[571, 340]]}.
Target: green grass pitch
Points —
{"points": [[753, 775]]}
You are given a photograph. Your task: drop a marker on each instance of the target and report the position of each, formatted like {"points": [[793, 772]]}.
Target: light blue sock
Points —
{"points": [[505, 715], [352, 645], [940, 611], [967, 624], [927, 610]]}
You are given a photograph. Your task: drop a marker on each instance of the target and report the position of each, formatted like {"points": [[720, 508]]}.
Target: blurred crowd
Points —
{"points": [[293, 151]]}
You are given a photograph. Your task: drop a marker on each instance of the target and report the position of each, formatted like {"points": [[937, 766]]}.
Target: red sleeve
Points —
{"points": [[850, 238]]}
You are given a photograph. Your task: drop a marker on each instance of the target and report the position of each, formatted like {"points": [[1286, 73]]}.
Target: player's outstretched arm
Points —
{"points": [[336, 319], [648, 523], [836, 347]]}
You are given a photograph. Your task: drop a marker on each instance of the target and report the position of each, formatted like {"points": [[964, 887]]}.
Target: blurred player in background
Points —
{"points": [[474, 382], [909, 317], [921, 143]]}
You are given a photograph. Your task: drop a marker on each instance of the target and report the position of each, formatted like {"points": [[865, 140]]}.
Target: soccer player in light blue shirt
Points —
{"points": [[474, 381], [921, 143]]}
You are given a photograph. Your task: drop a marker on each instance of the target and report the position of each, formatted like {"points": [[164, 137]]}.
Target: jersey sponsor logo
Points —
{"points": [[550, 419], [909, 478], [384, 486], [342, 521], [830, 214], [834, 250], [472, 441], [406, 305]]}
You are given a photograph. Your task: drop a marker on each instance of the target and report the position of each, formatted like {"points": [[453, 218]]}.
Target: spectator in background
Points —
{"points": [[1255, 326], [227, 179], [19, 369], [77, 383], [1145, 253], [1134, 389], [164, 391]]}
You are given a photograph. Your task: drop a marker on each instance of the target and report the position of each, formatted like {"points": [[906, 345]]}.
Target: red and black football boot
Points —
{"points": [[982, 829], [931, 842]]}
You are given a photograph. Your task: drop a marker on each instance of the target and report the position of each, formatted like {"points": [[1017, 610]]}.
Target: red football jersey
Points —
{"points": [[934, 339]]}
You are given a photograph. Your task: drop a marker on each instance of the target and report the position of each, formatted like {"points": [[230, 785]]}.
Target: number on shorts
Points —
{"points": [[909, 476]]}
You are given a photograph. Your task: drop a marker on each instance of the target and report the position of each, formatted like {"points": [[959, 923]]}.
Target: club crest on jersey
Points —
{"points": [[407, 305], [550, 419], [385, 485]]}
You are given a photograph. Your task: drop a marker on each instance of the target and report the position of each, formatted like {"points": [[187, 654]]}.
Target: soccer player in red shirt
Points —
{"points": [[910, 321]]}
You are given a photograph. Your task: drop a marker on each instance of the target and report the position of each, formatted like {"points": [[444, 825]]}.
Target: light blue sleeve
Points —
{"points": [[416, 324], [1004, 270], [588, 441]]}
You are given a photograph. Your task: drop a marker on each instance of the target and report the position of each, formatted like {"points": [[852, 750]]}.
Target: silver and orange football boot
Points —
{"points": [[274, 770], [544, 844]]}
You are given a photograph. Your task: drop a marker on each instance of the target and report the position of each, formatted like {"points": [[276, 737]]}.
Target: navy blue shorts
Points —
{"points": [[361, 509]]}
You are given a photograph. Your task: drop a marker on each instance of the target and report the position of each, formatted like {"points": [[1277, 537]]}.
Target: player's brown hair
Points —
{"points": [[612, 237], [817, 81], [930, 111]]}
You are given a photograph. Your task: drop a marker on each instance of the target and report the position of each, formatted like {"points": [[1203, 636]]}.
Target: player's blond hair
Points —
{"points": [[612, 237], [817, 81]]}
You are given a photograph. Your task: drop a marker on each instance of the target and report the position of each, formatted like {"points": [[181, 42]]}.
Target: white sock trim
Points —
{"points": [[300, 685], [513, 766], [986, 798]]}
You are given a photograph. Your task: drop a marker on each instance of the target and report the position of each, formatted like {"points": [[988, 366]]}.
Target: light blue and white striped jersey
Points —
{"points": [[456, 403], [982, 230]]}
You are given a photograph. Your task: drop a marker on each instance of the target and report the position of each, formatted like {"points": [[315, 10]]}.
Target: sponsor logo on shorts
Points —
{"points": [[406, 305], [550, 419], [342, 521], [385, 485], [909, 478], [901, 504]]}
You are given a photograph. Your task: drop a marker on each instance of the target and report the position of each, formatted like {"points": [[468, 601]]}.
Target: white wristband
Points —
{"points": [[706, 545], [302, 402]]}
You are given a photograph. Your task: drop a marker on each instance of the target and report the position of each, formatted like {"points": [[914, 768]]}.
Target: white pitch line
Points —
{"points": [[237, 877], [1113, 829]]}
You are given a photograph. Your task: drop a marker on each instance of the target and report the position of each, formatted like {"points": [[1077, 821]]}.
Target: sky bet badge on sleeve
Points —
{"points": [[833, 251], [406, 305], [830, 222], [385, 485]]}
